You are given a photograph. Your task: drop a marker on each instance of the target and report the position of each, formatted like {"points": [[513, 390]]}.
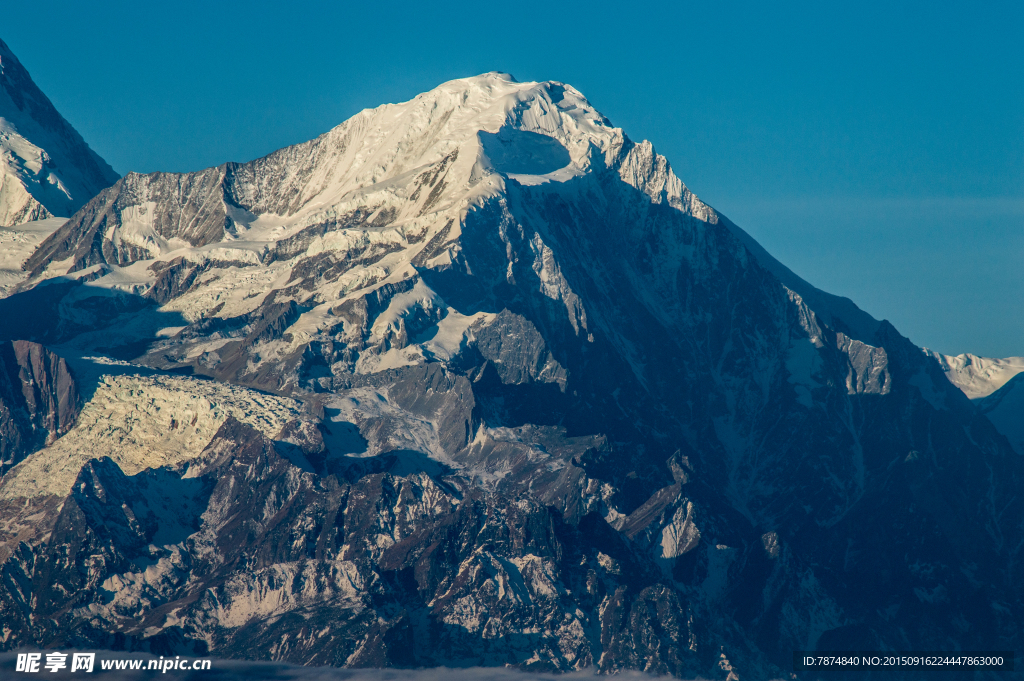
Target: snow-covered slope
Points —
{"points": [[17, 244], [46, 168], [396, 174], [978, 376]]}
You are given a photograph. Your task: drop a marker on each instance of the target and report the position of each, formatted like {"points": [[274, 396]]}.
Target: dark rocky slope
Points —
{"points": [[39, 400]]}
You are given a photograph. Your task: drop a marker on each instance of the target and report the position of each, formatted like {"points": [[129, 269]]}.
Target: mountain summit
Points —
{"points": [[490, 386], [46, 168]]}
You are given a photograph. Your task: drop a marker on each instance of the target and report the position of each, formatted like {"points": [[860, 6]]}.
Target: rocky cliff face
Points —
{"points": [[557, 413], [46, 168], [458, 575], [39, 400]]}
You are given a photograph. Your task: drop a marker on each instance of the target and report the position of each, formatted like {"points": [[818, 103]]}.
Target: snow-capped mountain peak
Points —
{"points": [[483, 359], [976, 376], [46, 168], [472, 131], [387, 193]]}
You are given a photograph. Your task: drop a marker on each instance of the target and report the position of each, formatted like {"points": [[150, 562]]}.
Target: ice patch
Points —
{"points": [[364, 406]]}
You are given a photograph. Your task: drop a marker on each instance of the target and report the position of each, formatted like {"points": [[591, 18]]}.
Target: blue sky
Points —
{"points": [[875, 148]]}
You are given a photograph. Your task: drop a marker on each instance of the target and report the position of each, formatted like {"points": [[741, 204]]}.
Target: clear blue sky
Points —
{"points": [[875, 148]]}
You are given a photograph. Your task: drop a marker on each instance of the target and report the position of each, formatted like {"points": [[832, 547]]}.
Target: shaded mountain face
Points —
{"points": [[556, 413], [46, 168], [1005, 408]]}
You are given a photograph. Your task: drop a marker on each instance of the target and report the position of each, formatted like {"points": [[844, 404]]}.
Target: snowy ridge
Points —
{"points": [[375, 161], [977, 376], [836, 310], [46, 168]]}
